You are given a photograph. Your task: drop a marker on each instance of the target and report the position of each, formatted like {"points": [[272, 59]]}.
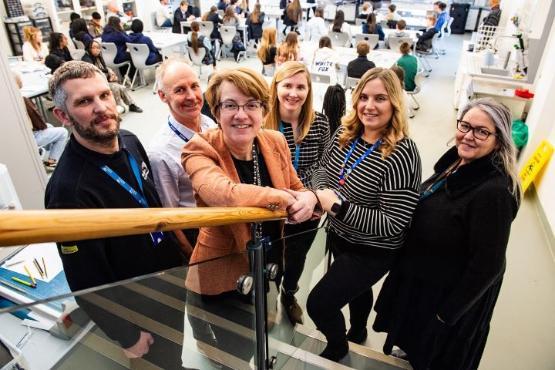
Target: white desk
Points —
{"points": [[382, 57], [34, 76], [167, 41]]}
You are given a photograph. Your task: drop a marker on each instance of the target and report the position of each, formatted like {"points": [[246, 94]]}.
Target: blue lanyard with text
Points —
{"points": [[297, 149], [156, 236], [177, 132], [343, 174], [433, 188]]}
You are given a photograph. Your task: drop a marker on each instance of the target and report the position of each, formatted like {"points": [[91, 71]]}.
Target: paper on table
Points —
{"points": [[48, 251]]}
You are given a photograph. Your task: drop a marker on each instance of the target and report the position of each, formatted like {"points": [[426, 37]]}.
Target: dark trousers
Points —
{"points": [[296, 249], [349, 280]]}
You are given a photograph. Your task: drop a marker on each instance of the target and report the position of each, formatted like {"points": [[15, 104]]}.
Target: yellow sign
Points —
{"points": [[534, 165]]}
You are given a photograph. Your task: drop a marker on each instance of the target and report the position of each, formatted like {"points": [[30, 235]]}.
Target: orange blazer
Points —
{"points": [[210, 167]]}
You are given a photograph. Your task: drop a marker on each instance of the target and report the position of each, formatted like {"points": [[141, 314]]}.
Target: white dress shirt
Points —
{"points": [[164, 152]]}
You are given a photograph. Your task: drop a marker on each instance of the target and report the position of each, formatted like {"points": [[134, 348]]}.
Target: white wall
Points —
{"points": [[18, 149]]}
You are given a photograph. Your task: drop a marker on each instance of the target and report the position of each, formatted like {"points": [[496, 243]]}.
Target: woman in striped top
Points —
{"points": [[307, 134], [368, 181]]}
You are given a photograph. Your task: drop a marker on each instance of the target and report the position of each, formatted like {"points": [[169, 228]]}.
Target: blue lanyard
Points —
{"points": [[177, 132], [343, 174], [156, 236], [297, 148], [433, 188]]}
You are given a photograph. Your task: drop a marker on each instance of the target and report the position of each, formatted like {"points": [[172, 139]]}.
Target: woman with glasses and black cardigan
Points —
{"points": [[368, 180], [438, 300]]}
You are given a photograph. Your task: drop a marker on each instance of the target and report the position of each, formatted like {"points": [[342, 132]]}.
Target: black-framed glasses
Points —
{"points": [[229, 106], [479, 133]]}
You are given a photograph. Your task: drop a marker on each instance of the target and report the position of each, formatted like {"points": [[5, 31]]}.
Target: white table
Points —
{"points": [[382, 57], [167, 41], [34, 77]]}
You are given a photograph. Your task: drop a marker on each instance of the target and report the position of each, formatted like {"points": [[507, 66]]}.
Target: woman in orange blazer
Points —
{"points": [[239, 164]]}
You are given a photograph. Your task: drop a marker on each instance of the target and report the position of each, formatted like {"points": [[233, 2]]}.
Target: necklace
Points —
{"points": [[257, 226]]}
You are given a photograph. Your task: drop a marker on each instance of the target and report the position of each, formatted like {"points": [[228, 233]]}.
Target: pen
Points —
{"points": [[14, 287], [20, 281], [39, 269], [30, 275], [44, 264], [13, 263]]}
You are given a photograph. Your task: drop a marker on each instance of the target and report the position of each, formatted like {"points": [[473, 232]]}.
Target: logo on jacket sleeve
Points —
{"points": [[144, 171]]}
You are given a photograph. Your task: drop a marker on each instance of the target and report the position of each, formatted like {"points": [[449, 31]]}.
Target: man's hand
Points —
{"points": [[303, 208], [140, 348]]}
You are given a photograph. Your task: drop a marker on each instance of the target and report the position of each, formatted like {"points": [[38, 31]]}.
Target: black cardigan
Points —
{"points": [[452, 265]]}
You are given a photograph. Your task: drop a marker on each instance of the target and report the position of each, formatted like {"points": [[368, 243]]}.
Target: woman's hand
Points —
{"points": [[327, 199], [303, 208]]}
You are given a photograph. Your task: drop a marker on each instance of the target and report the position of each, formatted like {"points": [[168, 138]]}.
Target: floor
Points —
{"points": [[523, 327]]}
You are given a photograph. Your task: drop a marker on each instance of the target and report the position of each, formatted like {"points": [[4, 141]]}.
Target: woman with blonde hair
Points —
{"points": [[289, 49], [254, 22], [368, 184], [267, 50], [307, 134], [33, 48]]}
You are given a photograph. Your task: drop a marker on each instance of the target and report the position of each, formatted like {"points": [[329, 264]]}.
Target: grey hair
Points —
{"points": [[161, 71], [69, 71], [504, 155]]}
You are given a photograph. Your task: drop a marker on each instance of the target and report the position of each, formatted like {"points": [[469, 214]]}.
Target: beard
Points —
{"points": [[89, 132]]}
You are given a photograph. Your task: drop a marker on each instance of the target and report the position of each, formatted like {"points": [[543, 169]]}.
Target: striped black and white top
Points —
{"points": [[380, 194], [312, 147]]}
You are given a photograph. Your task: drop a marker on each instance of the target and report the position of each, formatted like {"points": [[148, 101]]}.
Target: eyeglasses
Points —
{"points": [[232, 107], [479, 133]]}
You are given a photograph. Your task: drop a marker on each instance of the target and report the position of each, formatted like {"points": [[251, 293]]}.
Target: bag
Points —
{"points": [[520, 133]]}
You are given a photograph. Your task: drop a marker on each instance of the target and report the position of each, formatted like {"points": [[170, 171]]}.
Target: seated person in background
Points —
{"points": [[95, 25], [123, 99], [339, 25], [181, 14], [45, 134], [365, 9], [137, 37], [292, 16], [230, 18], [442, 16], [267, 50], [401, 75], [213, 16], [392, 14], [316, 25], [254, 22], [334, 106], [80, 31], [372, 27], [289, 49], [33, 48], [164, 14], [197, 41], [240, 7], [113, 32], [325, 60], [357, 67], [223, 4], [399, 32], [112, 10], [72, 17], [409, 64], [58, 51], [424, 42]]}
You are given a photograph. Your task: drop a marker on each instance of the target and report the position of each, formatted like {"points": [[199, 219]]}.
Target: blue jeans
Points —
{"points": [[55, 137]]}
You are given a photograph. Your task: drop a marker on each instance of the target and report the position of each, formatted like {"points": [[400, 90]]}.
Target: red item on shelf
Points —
{"points": [[524, 93]]}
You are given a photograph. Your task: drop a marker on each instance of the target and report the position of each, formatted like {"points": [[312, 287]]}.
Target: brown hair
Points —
{"points": [[404, 48], [294, 11], [229, 14], [396, 130], [324, 42], [195, 27], [268, 41], [363, 48], [288, 49], [246, 80], [286, 70], [255, 15], [401, 24]]}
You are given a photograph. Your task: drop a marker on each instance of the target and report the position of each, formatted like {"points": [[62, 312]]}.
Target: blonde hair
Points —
{"points": [[30, 34], [246, 80], [288, 50], [286, 70], [268, 40], [396, 130]]}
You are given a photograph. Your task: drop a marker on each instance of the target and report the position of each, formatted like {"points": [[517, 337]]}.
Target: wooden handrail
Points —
{"points": [[24, 227]]}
